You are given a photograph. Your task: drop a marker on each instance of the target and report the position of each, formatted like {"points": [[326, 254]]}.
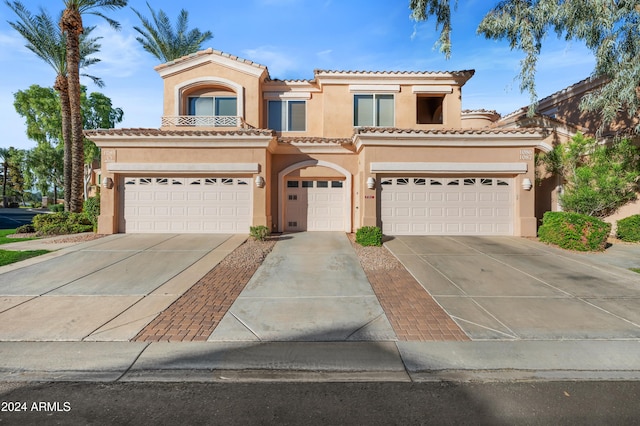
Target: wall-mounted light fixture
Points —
{"points": [[371, 182], [259, 181], [107, 183], [526, 184]]}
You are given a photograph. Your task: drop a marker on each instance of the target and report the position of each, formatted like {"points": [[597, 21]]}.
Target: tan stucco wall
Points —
{"points": [[250, 83]]}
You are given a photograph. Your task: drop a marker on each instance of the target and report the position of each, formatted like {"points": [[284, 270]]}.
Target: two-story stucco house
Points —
{"points": [[334, 153]]}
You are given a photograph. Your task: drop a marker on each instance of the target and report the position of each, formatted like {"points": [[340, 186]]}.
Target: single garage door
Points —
{"points": [[315, 205], [190, 205], [447, 206]]}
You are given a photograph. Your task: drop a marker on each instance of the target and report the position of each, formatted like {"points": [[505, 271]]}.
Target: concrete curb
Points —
{"points": [[319, 361]]}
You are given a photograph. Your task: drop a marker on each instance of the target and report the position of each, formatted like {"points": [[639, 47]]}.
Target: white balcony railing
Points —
{"points": [[202, 121]]}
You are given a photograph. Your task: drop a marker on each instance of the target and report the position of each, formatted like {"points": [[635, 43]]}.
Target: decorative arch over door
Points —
{"points": [[347, 186]]}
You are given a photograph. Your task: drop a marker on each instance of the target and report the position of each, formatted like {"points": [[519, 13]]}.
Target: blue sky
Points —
{"points": [[292, 38]]}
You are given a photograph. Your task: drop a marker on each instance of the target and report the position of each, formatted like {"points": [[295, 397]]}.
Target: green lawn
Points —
{"points": [[5, 240], [7, 256], [635, 270]]}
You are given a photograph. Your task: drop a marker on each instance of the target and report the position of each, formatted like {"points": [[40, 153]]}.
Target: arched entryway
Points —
{"points": [[314, 203]]}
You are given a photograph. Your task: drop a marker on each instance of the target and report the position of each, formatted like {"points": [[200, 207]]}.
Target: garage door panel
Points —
{"points": [[456, 206], [452, 212], [467, 212], [185, 205], [314, 205]]}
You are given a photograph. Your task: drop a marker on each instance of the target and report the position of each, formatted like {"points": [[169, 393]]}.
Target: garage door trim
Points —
{"points": [[445, 167]]}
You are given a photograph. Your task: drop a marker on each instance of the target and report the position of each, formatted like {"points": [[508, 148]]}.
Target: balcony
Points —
{"points": [[203, 121]]}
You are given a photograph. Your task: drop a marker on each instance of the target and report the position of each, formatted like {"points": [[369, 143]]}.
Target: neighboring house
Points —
{"points": [[340, 151], [560, 113]]}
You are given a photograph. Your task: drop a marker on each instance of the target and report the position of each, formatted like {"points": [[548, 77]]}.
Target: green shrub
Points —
{"points": [[260, 233], [91, 209], [25, 229], [369, 236], [629, 228], [57, 208], [61, 223], [573, 231]]}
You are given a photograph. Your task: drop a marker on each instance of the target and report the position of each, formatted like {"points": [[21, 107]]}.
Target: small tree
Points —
{"points": [[597, 179]]}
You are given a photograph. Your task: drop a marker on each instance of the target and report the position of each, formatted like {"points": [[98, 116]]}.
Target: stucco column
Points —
{"points": [[107, 220]]}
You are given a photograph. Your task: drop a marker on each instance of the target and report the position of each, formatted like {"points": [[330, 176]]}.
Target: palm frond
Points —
{"points": [[159, 37]]}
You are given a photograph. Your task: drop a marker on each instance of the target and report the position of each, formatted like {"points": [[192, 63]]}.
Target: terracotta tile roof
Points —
{"points": [[483, 131], [209, 51], [314, 140], [173, 133], [464, 73]]}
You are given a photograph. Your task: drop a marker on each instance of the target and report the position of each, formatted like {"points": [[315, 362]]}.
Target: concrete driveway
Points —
{"points": [[514, 288], [106, 289]]}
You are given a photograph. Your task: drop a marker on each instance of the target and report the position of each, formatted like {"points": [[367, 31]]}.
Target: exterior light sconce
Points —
{"points": [[526, 184], [371, 182], [107, 183], [259, 181]]}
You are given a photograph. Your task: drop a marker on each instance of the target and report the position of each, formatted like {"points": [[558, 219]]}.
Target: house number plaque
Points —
{"points": [[526, 154]]}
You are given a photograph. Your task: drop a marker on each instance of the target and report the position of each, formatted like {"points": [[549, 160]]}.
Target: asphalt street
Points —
{"points": [[12, 218], [435, 403]]}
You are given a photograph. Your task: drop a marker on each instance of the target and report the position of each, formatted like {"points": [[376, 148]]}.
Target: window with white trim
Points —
{"points": [[287, 115], [374, 110], [208, 106]]}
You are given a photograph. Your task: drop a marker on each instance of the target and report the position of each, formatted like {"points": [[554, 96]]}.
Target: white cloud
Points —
{"points": [[278, 62], [120, 54], [12, 44]]}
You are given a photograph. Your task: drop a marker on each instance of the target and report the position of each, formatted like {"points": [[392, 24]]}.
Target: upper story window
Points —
{"points": [[210, 106], [376, 110], [429, 108], [288, 115]]}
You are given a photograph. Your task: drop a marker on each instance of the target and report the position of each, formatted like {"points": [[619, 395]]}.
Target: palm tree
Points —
{"points": [[71, 25], [161, 40], [46, 40]]}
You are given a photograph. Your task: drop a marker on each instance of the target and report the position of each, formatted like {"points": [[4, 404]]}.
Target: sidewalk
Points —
{"points": [[319, 361]]}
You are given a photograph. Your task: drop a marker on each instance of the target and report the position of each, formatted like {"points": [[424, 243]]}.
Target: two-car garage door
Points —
{"points": [[447, 206], [189, 205]]}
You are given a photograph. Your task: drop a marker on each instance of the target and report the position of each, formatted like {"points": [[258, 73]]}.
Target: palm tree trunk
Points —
{"points": [[72, 25], [62, 87]]}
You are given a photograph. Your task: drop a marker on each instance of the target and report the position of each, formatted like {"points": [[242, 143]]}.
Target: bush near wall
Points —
{"points": [[260, 232], [61, 223], [369, 236], [91, 210], [629, 228], [573, 231]]}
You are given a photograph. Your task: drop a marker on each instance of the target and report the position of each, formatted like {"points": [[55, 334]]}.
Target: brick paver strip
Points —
{"points": [[412, 312], [195, 315]]}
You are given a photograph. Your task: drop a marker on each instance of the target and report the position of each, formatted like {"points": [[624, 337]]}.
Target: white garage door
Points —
{"points": [[191, 205], [447, 206], [315, 205]]}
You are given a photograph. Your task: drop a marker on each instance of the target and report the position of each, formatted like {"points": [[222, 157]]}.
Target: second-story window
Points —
{"points": [[209, 106], [429, 109], [376, 110], [288, 116]]}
